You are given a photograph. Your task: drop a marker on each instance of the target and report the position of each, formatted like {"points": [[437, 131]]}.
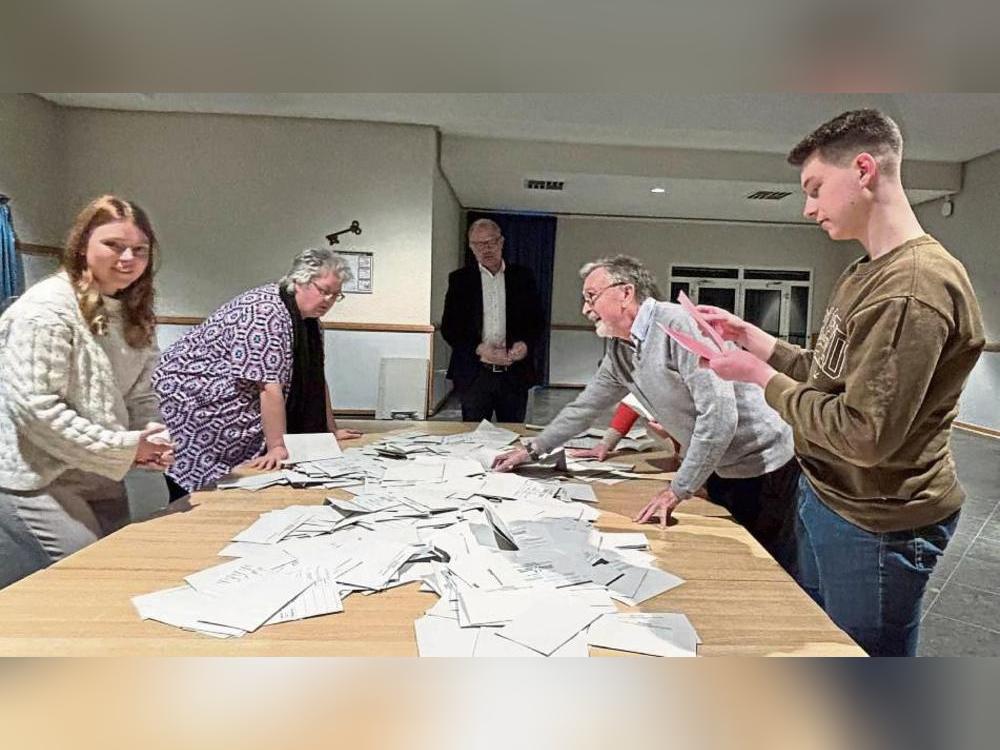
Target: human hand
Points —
{"points": [[491, 354], [662, 505], [598, 452], [518, 352], [729, 326], [514, 457], [155, 449], [740, 365], [347, 434], [270, 460]]}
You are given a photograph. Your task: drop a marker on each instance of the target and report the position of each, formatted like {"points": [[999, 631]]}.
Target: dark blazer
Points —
{"points": [[462, 322]]}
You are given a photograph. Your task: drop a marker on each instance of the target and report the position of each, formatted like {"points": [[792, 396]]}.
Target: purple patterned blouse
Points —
{"points": [[208, 384]]}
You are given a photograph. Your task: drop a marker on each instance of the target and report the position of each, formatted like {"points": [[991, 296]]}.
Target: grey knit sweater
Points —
{"points": [[722, 427]]}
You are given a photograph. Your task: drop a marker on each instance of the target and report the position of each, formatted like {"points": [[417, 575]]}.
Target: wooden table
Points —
{"points": [[740, 600]]}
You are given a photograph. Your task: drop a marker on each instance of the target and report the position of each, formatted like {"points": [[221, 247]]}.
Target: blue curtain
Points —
{"points": [[11, 270], [530, 241]]}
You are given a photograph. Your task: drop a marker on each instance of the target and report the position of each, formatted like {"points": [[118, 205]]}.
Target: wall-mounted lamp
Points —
{"points": [[334, 237]]}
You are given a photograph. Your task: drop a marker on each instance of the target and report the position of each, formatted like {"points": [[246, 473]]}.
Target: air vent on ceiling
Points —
{"points": [[768, 195], [530, 184]]}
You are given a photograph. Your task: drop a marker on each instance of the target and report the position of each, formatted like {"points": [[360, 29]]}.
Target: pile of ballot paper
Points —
{"points": [[517, 564]]}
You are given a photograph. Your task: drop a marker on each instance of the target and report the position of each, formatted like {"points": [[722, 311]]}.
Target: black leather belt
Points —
{"points": [[494, 368]]}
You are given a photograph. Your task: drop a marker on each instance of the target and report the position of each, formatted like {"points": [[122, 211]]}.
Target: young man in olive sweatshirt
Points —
{"points": [[871, 407]]}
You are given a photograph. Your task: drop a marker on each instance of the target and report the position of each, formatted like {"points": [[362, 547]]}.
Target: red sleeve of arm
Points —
{"points": [[623, 419]]}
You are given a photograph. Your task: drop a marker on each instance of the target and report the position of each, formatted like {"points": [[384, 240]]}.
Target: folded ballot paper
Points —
{"points": [[516, 564], [694, 345]]}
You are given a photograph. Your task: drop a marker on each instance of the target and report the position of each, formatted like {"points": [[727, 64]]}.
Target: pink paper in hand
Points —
{"points": [[690, 343], [705, 326]]}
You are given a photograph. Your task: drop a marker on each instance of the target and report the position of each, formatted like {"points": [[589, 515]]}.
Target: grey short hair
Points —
{"points": [[313, 262], [485, 223], [624, 269]]}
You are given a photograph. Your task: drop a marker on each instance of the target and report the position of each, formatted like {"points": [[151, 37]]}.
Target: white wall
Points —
{"points": [[658, 243], [446, 256], [31, 167], [971, 233], [235, 198]]}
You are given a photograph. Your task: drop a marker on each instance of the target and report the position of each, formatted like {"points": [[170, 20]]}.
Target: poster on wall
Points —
{"points": [[361, 264]]}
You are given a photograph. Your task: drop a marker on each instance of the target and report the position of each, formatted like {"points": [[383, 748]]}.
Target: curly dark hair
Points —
{"points": [[850, 133], [137, 297]]}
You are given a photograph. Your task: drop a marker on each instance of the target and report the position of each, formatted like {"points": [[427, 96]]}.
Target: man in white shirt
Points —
{"points": [[493, 321]]}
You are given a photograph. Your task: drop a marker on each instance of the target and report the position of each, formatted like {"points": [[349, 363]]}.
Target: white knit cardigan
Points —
{"points": [[62, 404]]}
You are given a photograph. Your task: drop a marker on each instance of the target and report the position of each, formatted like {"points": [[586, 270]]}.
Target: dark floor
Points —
{"points": [[962, 603]]}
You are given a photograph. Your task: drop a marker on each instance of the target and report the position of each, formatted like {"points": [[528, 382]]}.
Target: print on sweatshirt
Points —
{"points": [[831, 346]]}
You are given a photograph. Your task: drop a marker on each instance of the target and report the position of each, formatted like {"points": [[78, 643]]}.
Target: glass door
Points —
{"points": [[716, 293], [762, 306]]}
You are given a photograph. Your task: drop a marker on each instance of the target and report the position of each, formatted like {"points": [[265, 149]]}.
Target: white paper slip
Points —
{"points": [[641, 584], [583, 493], [489, 644], [482, 607], [244, 549], [652, 636], [364, 503], [502, 485], [178, 607], [619, 540], [242, 570], [414, 471], [442, 636], [379, 563], [321, 598], [248, 607], [311, 446], [253, 481], [489, 434], [684, 631], [271, 527], [549, 623]]}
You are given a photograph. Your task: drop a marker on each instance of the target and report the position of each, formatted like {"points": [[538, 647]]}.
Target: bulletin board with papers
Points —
{"points": [[362, 265]]}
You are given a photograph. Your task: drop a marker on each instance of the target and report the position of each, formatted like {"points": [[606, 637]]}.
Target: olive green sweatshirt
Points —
{"points": [[871, 407]]}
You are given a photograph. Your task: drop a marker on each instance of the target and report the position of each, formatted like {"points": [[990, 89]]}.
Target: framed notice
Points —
{"points": [[362, 270]]}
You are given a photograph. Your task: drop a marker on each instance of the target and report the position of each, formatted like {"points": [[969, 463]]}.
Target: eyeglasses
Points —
{"points": [[139, 252], [484, 244], [328, 296], [589, 298]]}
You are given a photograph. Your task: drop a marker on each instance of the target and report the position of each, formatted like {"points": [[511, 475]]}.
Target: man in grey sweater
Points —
{"points": [[734, 444]]}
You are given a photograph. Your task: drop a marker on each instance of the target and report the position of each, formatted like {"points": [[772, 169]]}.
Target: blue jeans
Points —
{"points": [[870, 584]]}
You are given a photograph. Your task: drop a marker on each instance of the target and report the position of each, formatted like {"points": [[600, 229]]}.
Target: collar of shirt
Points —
{"points": [[643, 320], [487, 272]]}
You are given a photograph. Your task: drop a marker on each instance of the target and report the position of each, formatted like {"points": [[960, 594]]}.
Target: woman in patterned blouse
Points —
{"points": [[231, 388]]}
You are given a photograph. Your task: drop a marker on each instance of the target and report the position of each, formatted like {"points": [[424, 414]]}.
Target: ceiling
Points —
{"points": [[707, 152]]}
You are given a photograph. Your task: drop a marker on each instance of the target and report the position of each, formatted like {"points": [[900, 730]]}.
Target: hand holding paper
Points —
{"points": [[703, 324], [741, 365], [690, 343]]}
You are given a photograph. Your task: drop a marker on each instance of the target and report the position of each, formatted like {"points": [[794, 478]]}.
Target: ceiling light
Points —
{"points": [[657, 190]]}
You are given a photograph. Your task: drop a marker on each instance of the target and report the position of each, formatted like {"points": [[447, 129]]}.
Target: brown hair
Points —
{"points": [[849, 134], [137, 298]]}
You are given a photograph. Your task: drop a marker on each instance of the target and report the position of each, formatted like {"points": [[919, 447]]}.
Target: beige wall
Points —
{"points": [[660, 243], [447, 243], [235, 198], [446, 255], [31, 151], [972, 234]]}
